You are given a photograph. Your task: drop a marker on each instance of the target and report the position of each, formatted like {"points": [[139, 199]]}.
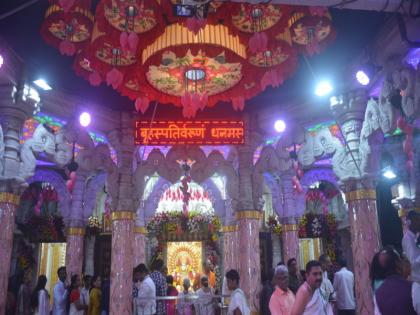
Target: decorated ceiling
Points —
{"points": [[191, 56]]}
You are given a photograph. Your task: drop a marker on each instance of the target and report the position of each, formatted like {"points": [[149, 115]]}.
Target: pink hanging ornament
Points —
{"points": [[408, 129], [258, 42], [94, 78], [67, 48], [73, 176], [124, 41], [195, 101], [319, 11], [133, 41], [66, 4], [410, 165], [186, 99], [407, 146], [401, 123], [142, 104], [195, 25], [204, 99], [69, 186], [238, 103], [114, 78], [300, 173], [410, 155]]}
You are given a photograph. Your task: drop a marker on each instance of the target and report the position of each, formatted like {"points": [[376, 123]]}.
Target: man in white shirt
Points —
{"points": [[326, 288], [84, 293], [145, 302], [412, 251], [238, 303], [344, 288], [204, 306], [61, 293]]}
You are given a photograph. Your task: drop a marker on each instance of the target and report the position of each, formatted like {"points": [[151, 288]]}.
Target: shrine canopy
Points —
{"points": [[172, 200], [190, 56]]}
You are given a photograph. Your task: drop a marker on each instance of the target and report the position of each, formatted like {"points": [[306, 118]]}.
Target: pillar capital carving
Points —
{"points": [[350, 106]]}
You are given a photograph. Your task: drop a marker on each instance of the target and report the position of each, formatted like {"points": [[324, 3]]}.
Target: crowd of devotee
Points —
{"points": [[286, 291]]}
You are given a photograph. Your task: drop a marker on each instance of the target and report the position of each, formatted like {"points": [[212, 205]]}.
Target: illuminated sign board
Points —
{"points": [[210, 132]]}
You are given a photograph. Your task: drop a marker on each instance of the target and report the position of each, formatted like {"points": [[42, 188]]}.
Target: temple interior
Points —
{"points": [[208, 134]]}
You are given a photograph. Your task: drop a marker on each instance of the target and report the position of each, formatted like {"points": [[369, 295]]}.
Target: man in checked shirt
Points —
{"points": [[160, 282]]}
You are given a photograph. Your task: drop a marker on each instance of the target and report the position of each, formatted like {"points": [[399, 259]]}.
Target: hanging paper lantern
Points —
{"points": [[311, 29], [68, 25]]}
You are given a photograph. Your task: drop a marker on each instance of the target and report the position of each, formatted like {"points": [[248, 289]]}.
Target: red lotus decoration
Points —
{"points": [[144, 51]]}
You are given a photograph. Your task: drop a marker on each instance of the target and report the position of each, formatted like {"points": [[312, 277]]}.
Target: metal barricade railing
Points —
{"points": [[191, 304]]}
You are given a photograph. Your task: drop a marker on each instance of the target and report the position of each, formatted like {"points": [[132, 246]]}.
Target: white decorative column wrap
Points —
{"points": [[123, 215], [230, 247], [290, 218], [249, 256], [139, 245], [76, 228]]}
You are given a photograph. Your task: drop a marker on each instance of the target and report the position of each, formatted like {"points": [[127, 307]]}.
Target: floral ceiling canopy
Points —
{"points": [[221, 51]]}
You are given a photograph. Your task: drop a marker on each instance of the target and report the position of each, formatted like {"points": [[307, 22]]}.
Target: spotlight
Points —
{"points": [[84, 119], [323, 88], [280, 125], [388, 173], [1, 61], [43, 84], [362, 77]]}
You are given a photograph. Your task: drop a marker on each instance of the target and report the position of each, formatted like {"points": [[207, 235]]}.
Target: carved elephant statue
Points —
{"points": [[43, 141]]}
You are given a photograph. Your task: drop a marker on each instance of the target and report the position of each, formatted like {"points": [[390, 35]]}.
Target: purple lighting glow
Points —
{"points": [[84, 119], [1, 61], [280, 125]]}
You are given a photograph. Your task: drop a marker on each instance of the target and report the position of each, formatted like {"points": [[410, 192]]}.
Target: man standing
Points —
{"points": [[344, 288], [411, 246], [327, 289], [309, 300], [295, 280], [282, 299], [84, 293], [205, 298], [60, 293], [144, 303], [160, 283]]}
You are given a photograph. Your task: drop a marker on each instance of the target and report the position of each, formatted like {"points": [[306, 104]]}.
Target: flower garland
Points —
{"points": [[39, 220], [324, 226], [180, 223]]}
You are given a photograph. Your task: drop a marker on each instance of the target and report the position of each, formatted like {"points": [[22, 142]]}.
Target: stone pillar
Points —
{"points": [[15, 107], [356, 165], [123, 215], [365, 240], [139, 245], [249, 256], [8, 205], [75, 238], [290, 241], [230, 247]]}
